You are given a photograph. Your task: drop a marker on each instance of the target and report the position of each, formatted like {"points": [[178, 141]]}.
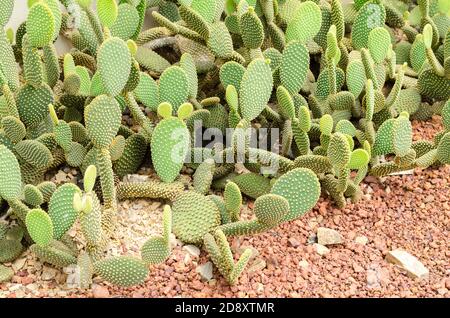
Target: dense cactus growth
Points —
{"points": [[337, 87]]}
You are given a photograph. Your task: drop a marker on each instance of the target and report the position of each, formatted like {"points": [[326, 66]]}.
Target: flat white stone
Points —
{"points": [[414, 268]]}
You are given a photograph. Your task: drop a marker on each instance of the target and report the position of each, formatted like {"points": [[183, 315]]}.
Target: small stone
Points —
{"points": [[18, 264], [411, 264], [326, 236], [192, 250], [257, 265], [99, 291], [294, 242], [312, 239], [205, 271], [361, 240], [303, 263], [320, 249], [48, 273]]}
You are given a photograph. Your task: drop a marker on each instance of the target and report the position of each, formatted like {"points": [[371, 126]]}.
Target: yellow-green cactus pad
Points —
{"points": [[219, 41], [32, 196], [6, 273], [417, 54], [169, 144], [14, 129], [40, 25], [359, 158], [107, 11], [9, 250], [252, 29], [187, 63], [10, 181], [56, 254], [256, 88], [155, 251], [432, 85], [271, 209], [34, 153], [210, 10], [173, 86], [126, 23], [91, 220], [194, 21], [301, 188], [60, 209], [114, 65], [252, 184], [103, 118], [317, 163], [339, 151], [132, 157], [294, 66], [305, 23], [384, 138], [123, 271], [40, 227], [378, 44], [6, 11], [443, 150], [370, 16], [402, 135], [194, 215], [231, 73], [32, 103]]}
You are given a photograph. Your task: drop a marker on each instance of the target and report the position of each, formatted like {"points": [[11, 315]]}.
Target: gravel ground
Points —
{"points": [[410, 212]]}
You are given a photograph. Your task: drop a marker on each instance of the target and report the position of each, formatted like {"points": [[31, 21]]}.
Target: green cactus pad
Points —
{"points": [[220, 41], [61, 210], [40, 227], [301, 188], [252, 29], [14, 129], [107, 11], [123, 271], [173, 86], [32, 103], [370, 16], [32, 196], [443, 150], [114, 65], [317, 163], [194, 215], [231, 73], [126, 23], [132, 157], [294, 66], [378, 44], [6, 273], [256, 88], [432, 85], [103, 118], [9, 250], [34, 153], [271, 209], [170, 144], [402, 136], [40, 25], [252, 184], [307, 14], [91, 221], [155, 251], [56, 254], [383, 141]]}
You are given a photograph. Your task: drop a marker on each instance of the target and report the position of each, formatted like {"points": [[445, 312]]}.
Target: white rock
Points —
{"points": [[361, 240], [48, 273], [303, 263], [205, 271], [18, 264], [414, 268], [192, 250], [320, 249], [326, 236]]}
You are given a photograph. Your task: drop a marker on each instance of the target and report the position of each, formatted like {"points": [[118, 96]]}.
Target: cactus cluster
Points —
{"points": [[336, 80]]}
